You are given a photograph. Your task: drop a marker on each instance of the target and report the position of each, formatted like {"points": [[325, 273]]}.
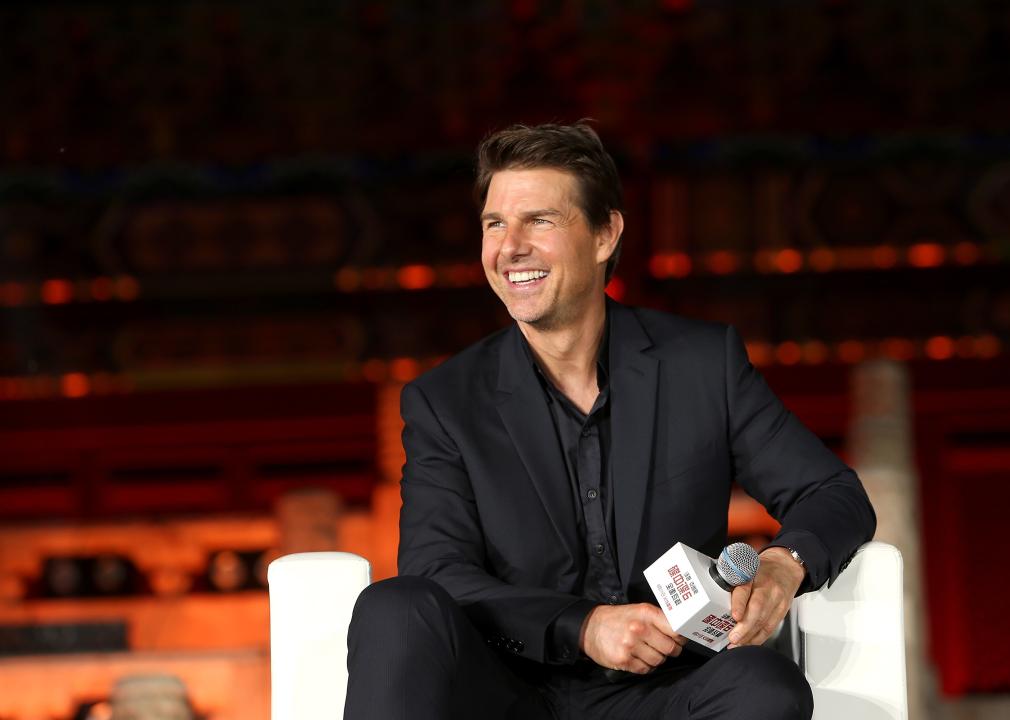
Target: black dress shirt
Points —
{"points": [[584, 440]]}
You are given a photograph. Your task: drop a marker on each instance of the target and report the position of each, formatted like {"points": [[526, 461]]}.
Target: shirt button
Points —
{"points": [[592, 494], [598, 549], [613, 599], [586, 432]]}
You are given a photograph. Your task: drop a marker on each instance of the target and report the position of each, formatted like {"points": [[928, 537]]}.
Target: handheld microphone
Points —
{"points": [[693, 591], [737, 565]]}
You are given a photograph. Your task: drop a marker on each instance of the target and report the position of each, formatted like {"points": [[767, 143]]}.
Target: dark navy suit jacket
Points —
{"points": [[487, 508]]}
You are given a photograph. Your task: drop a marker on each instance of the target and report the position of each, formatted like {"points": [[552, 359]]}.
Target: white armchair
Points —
{"points": [[849, 639]]}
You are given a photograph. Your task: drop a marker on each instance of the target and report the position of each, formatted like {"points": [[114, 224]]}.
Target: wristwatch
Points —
{"points": [[796, 556]]}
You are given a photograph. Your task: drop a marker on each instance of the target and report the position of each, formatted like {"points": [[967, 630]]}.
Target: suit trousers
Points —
{"points": [[413, 653]]}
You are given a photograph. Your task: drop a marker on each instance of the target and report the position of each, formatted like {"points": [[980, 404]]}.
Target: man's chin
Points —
{"points": [[529, 318], [527, 315]]}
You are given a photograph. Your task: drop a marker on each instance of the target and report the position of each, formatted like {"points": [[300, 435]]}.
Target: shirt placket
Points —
{"points": [[601, 575]]}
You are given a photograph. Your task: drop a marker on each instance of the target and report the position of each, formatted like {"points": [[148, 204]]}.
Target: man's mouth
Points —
{"points": [[525, 277]]}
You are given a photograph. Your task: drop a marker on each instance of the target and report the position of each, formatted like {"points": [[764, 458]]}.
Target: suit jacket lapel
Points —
{"points": [[634, 384], [523, 409]]}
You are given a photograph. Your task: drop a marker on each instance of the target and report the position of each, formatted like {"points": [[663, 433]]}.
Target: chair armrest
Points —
{"points": [[849, 639], [311, 599]]}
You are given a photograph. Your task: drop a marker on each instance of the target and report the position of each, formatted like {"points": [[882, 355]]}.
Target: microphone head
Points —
{"points": [[738, 563]]}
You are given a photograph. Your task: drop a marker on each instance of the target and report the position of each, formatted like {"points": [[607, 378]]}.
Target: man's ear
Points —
{"points": [[608, 236]]}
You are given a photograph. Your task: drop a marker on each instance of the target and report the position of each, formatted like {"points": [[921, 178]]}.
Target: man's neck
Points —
{"points": [[568, 354]]}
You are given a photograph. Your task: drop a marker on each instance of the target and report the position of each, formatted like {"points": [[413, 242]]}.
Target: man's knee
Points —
{"points": [[751, 682], [772, 683], [387, 605]]}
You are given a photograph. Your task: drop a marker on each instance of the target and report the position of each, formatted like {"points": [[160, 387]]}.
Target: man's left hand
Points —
{"points": [[759, 606]]}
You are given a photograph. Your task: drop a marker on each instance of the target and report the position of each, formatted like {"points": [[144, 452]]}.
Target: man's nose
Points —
{"points": [[515, 242]]}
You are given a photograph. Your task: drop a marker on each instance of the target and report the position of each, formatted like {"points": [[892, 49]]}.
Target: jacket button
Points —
{"points": [[598, 549], [592, 494]]}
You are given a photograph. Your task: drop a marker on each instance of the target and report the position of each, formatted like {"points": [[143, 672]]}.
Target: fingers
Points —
{"points": [[738, 600], [643, 638], [633, 652], [662, 636], [764, 611]]}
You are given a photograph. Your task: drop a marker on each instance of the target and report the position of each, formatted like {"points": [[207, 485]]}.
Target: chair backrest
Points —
{"points": [[311, 599], [849, 639]]}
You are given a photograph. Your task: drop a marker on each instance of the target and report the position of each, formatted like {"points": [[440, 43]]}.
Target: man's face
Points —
{"points": [[539, 253]]}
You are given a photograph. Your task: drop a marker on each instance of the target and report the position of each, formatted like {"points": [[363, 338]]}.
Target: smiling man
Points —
{"points": [[550, 463]]}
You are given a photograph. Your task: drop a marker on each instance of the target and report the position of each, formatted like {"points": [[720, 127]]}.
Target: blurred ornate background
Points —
{"points": [[229, 231]]}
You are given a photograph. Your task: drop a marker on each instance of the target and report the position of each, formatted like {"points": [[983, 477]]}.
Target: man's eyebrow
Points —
{"points": [[525, 216], [540, 213]]}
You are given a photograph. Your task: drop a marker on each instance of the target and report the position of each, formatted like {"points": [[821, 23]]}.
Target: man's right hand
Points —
{"points": [[635, 638]]}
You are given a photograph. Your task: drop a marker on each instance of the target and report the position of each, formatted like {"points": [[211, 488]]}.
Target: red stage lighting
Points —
{"points": [[416, 277], [57, 291]]}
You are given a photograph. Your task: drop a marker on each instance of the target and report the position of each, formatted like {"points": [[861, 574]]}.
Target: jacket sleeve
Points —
{"points": [[820, 502], [441, 539]]}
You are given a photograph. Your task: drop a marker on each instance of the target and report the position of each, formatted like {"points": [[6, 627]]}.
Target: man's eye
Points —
{"points": [[541, 221], [494, 224]]}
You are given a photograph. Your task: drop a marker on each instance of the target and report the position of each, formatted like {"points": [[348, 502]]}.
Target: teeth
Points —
{"points": [[526, 276]]}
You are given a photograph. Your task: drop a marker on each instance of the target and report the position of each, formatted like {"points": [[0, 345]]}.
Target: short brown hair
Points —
{"points": [[572, 148]]}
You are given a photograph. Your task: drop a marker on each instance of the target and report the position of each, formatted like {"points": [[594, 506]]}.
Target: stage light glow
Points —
{"points": [[926, 255], [75, 385], [416, 277], [940, 347], [56, 291], [615, 288], [788, 353], [760, 353], [404, 369], [668, 265], [788, 261]]}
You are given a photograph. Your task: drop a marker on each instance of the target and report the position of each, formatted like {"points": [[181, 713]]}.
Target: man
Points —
{"points": [[550, 463]]}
